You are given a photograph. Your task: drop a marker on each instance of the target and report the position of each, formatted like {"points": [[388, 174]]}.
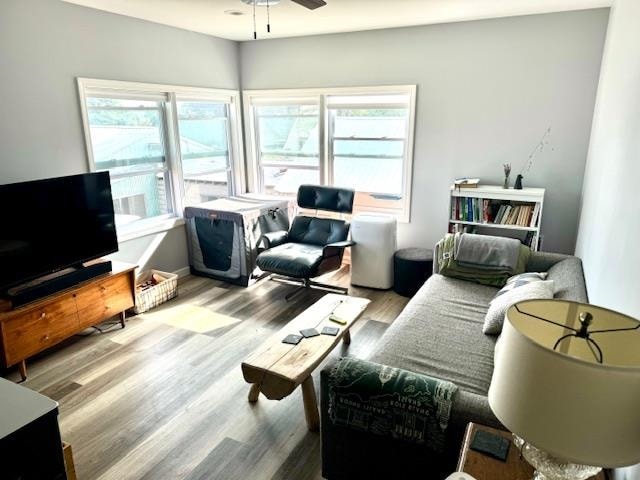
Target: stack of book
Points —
{"points": [[466, 182], [520, 215], [468, 209], [478, 210]]}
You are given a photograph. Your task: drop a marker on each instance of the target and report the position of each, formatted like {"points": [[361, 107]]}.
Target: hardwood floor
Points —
{"points": [[164, 398]]}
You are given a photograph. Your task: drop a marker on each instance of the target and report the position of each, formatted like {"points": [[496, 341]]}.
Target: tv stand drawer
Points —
{"points": [[97, 303], [39, 328]]}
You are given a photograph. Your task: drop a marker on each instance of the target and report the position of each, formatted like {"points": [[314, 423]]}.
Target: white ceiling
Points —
{"points": [[291, 20]]}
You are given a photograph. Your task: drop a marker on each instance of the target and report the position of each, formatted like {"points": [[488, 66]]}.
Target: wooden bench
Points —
{"points": [[277, 368]]}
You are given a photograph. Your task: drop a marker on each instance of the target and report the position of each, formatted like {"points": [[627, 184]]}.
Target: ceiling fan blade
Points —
{"points": [[310, 4]]}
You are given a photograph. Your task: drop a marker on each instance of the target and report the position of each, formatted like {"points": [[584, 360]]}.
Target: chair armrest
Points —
{"points": [[344, 244], [336, 248], [273, 239]]}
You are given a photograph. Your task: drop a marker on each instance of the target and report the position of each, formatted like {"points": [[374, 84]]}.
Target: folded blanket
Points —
{"points": [[390, 401], [497, 277], [486, 252]]}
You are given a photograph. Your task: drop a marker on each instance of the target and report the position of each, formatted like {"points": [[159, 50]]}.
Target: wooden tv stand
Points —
{"points": [[34, 327]]}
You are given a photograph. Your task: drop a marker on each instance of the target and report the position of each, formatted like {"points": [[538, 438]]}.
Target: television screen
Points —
{"points": [[49, 225]]}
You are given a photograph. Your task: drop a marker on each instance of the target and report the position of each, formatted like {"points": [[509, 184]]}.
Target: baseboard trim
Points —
{"points": [[183, 272]]}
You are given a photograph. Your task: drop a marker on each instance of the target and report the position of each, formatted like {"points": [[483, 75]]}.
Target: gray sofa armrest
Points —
{"points": [[350, 454], [273, 239], [543, 261]]}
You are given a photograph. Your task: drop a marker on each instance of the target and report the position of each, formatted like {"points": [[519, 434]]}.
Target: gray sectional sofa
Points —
{"points": [[439, 334]]}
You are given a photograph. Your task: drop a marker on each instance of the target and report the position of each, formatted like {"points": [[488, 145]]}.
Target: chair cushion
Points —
{"points": [[318, 231], [292, 259], [326, 198]]}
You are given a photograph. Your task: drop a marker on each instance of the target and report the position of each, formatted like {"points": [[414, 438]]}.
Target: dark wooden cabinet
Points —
{"points": [[32, 328], [30, 445]]}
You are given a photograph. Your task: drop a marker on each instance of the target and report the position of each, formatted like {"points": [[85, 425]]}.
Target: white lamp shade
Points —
{"points": [[564, 402]]}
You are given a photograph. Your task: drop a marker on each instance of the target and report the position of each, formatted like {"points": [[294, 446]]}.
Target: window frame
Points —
{"points": [[255, 176], [253, 98], [170, 95]]}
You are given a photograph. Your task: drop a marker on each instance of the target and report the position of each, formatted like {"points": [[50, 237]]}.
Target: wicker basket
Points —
{"points": [[160, 293]]}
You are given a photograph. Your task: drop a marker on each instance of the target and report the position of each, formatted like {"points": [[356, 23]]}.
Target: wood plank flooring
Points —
{"points": [[158, 401]]}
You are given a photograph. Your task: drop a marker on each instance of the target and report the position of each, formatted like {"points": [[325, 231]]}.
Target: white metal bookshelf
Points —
{"points": [[497, 195]]}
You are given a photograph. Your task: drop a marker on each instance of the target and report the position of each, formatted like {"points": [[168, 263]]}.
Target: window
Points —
{"points": [[164, 147], [204, 147], [368, 137], [358, 138], [128, 140], [287, 147]]}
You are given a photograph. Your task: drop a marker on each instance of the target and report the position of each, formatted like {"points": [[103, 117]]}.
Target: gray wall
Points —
{"points": [[610, 221], [609, 226], [487, 90], [46, 44]]}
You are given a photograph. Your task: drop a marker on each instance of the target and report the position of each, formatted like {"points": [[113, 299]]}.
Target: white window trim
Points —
{"points": [[171, 94], [318, 97]]}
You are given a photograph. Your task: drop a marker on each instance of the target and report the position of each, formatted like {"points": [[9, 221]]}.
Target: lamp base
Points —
{"points": [[549, 467]]}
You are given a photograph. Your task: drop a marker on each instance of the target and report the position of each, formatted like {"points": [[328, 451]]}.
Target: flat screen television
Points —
{"points": [[49, 225]]}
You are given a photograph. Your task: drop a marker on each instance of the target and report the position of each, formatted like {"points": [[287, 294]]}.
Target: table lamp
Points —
{"points": [[566, 382]]}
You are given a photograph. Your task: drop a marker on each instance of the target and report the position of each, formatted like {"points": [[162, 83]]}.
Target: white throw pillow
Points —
{"points": [[499, 305]]}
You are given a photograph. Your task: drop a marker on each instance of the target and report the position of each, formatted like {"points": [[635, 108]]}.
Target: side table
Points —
{"points": [[411, 268], [484, 467]]}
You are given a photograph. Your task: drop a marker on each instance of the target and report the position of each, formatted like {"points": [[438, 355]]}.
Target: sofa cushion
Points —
{"points": [[439, 333]]}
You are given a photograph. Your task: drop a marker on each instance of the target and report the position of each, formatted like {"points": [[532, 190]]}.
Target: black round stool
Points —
{"points": [[411, 268]]}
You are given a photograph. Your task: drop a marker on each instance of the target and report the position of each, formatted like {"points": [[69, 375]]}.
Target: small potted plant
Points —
{"points": [[507, 172]]}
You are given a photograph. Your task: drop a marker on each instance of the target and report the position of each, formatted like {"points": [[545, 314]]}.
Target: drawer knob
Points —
{"points": [[43, 314]]}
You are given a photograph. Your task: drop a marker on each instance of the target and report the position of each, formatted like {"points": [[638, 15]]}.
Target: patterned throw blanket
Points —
{"points": [[449, 266], [390, 401]]}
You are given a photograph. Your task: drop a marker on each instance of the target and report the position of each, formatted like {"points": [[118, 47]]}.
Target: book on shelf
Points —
{"points": [[505, 216], [518, 217], [486, 214], [534, 215], [459, 228], [528, 239], [466, 182]]}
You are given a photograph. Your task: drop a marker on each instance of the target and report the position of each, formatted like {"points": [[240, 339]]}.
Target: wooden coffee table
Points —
{"points": [[277, 368]]}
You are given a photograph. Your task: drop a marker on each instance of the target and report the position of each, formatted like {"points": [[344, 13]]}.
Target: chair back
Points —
{"points": [[317, 197]]}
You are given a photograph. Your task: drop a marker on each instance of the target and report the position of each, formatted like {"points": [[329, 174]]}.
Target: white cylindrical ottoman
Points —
{"points": [[372, 255]]}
